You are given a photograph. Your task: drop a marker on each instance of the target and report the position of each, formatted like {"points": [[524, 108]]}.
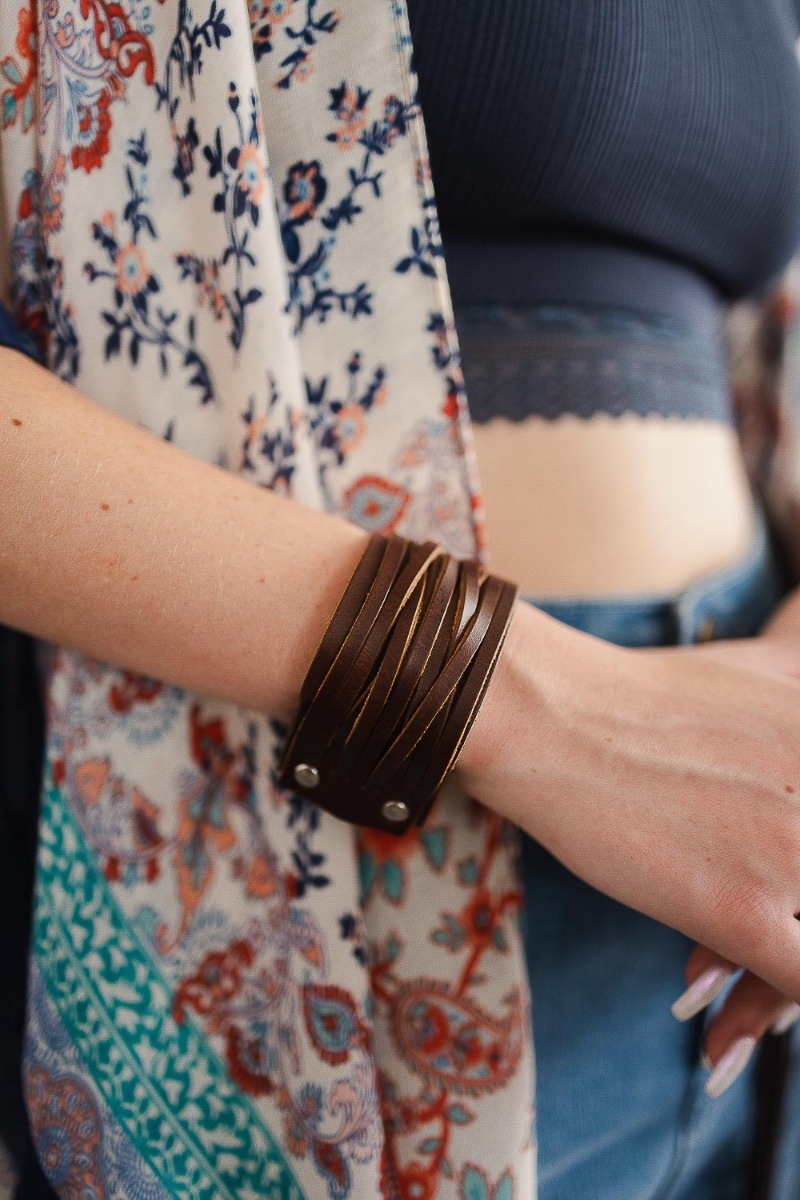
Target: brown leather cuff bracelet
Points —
{"points": [[396, 683]]}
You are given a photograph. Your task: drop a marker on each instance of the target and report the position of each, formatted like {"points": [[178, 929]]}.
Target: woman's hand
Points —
{"points": [[752, 1008], [668, 779]]}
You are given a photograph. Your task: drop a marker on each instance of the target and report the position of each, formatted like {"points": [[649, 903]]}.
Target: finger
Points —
{"points": [[763, 936], [750, 1010], [707, 974]]}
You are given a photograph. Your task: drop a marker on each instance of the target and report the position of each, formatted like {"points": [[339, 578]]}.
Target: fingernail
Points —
{"points": [[786, 1022], [730, 1066], [700, 993]]}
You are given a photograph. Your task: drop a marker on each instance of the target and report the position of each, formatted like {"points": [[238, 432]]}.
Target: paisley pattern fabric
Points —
{"points": [[218, 220]]}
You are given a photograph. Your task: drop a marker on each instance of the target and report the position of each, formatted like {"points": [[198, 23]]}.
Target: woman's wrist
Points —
{"points": [[515, 688], [399, 676]]}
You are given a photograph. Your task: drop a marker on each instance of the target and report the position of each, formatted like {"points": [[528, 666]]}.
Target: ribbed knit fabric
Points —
{"points": [[673, 125]]}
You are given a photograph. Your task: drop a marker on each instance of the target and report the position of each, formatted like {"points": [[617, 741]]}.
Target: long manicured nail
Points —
{"points": [[786, 1022], [700, 993], [730, 1066]]}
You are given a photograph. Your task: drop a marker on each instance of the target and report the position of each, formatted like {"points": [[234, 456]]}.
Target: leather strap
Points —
{"points": [[396, 683]]}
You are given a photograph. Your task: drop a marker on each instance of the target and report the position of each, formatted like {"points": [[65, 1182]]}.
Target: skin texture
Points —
{"points": [[669, 779], [118, 543], [612, 505], [752, 1008]]}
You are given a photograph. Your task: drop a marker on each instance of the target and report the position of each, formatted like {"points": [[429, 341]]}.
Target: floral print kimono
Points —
{"points": [[218, 221]]}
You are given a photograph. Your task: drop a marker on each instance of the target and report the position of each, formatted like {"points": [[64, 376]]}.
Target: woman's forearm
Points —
{"points": [[664, 778], [121, 545]]}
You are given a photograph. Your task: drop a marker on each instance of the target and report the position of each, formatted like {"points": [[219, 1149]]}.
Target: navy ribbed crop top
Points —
{"points": [[608, 172], [670, 125]]}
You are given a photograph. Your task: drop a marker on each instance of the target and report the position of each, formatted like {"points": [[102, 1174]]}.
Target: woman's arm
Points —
{"points": [[121, 545], [667, 779]]}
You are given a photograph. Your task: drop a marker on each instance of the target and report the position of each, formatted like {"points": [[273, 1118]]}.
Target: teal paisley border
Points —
{"points": [[163, 1082]]}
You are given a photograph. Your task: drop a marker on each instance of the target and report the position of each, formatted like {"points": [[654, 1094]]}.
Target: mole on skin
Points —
{"points": [[104, 507], [16, 421]]}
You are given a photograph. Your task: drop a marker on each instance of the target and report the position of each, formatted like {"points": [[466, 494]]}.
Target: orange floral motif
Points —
{"points": [[351, 425], [375, 503], [26, 35], [133, 689], [210, 290], [95, 123], [262, 880], [387, 847], [252, 172], [304, 190], [132, 270], [274, 11], [278, 10], [304, 69], [204, 828], [51, 195], [18, 97], [480, 917], [416, 1183], [67, 1126], [350, 111]]}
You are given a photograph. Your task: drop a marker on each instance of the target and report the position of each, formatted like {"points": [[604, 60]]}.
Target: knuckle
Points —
{"points": [[740, 902]]}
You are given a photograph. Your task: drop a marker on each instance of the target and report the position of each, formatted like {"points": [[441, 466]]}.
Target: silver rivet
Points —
{"points": [[306, 775], [394, 810]]}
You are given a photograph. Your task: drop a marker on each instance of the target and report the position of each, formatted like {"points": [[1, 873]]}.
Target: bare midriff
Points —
{"points": [[612, 505]]}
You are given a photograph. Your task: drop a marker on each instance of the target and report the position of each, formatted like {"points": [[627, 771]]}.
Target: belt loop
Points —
{"points": [[692, 623], [686, 620]]}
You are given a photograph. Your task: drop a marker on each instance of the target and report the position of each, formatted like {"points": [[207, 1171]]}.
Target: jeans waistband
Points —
{"points": [[734, 601]]}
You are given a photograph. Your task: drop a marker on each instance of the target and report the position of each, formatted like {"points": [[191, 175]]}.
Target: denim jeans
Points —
{"points": [[621, 1109]]}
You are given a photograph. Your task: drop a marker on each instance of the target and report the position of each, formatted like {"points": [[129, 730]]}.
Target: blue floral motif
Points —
{"points": [[136, 317], [184, 63], [474, 1185], [339, 424], [351, 930], [297, 64], [65, 350], [241, 173], [311, 292], [38, 286], [272, 439], [308, 862], [426, 245]]}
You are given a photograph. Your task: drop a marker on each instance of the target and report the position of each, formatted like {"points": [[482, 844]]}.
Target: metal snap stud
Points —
{"points": [[394, 810], [306, 775]]}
